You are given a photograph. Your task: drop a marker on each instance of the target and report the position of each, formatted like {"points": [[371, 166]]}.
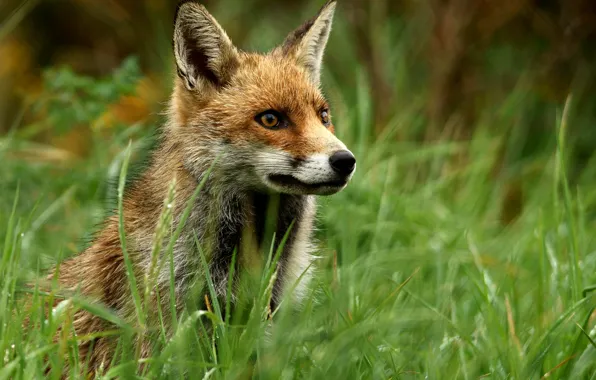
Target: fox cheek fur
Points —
{"points": [[261, 124]]}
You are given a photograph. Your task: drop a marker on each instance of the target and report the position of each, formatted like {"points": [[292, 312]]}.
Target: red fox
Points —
{"points": [[258, 127]]}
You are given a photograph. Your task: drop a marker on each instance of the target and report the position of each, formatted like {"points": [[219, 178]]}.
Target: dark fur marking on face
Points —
{"points": [[296, 161]]}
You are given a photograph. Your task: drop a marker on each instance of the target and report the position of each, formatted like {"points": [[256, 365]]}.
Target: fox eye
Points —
{"points": [[269, 119], [325, 118]]}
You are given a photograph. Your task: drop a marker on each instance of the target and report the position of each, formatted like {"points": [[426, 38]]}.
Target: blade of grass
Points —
{"points": [[176, 235], [8, 237], [535, 361], [17, 16], [130, 273], [578, 343], [219, 323], [575, 273], [231, 277]]}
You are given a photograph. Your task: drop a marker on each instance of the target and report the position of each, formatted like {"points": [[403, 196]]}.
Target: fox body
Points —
{"points": [[258, 130]]}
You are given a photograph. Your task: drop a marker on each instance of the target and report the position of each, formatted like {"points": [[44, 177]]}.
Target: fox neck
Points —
{"points": [[226, 217]]}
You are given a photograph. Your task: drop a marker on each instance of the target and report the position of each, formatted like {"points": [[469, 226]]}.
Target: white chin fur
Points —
{"points": [[314, 175]]}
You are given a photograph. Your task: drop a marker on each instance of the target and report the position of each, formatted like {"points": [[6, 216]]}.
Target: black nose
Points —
{"points": [[343, 162]]}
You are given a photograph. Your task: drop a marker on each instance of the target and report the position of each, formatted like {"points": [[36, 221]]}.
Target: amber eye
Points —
{"points": [[325, 118], [269, 119]]}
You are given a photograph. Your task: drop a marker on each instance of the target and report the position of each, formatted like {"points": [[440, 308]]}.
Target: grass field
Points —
{"points": [[421, 274]]}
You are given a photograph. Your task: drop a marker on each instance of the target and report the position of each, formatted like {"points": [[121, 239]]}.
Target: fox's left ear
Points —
{"points": [[204, 53], [307, 43]]}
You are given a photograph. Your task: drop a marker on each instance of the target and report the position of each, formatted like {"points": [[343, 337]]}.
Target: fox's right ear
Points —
{"points": [[203, 51], [307, 43]]}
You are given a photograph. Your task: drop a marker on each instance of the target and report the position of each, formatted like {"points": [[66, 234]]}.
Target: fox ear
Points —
{"points": [[203, 51], [307, 43]]}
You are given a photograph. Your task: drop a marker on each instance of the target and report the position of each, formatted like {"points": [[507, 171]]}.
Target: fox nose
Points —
{"points": [[343, 162]]}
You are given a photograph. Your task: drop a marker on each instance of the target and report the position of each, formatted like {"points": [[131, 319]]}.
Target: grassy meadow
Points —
{"points": [[463, 248]]}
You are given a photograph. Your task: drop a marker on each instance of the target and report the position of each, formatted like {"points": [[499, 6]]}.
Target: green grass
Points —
{"points": [[418, 278]]}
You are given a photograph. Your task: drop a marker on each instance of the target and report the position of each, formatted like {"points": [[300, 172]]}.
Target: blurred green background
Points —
{"points": [[455, 61], [410, 71], [471, 176]]}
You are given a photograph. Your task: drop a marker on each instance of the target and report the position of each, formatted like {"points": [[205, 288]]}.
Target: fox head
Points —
{"points": [[262, 115]]}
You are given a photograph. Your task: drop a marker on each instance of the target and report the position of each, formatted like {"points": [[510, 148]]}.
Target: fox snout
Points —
{"points": [[320, 174]]}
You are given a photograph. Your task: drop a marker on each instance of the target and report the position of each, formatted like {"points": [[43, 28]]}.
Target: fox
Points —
{"points": [[253, 129]]}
